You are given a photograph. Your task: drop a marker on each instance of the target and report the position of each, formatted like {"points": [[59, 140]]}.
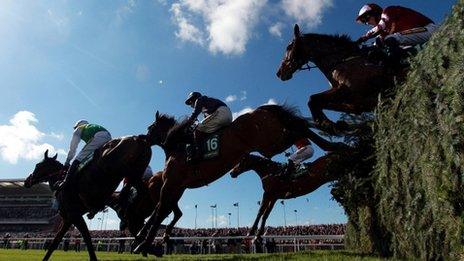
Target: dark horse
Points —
{"points": [[133, 217], [318, 174], [119, 158], [355, 82], [269, 130]]}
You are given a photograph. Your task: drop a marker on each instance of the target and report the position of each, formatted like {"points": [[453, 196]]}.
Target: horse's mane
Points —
{"points": [[176, 133], [339, 39], [168, 119]]}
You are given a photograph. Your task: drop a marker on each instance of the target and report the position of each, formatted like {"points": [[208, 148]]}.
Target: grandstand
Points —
{"points": [[26, 209]]}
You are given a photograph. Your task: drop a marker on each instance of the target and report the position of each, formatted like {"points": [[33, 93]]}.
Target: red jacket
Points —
{"points": [[302, 143], [396, 19]]}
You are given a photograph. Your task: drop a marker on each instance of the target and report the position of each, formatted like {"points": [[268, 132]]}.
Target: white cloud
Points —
{"points": [[187, 31], [271, 102], [21, 139], [231, 98], [241, 112], [162, 2], [160, 82], [142, 73], [276, 29], [58, 136], [308, 12], [222, 220], [226, 25]]}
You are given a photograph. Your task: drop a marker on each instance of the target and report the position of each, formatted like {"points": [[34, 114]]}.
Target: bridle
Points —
{"points": [[52, 174]]}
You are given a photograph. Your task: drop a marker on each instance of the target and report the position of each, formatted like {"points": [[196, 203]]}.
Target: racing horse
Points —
{"points": [[96, 182], [269, 130], [314, 175], [133, 217], [355, 82]]}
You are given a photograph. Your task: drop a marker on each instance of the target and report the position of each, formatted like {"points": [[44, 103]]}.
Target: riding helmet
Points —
{"points": [[192, 97], [80, 122], [369, 10]]}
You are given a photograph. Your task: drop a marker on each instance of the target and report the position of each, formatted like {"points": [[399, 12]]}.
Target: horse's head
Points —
{"points": [[294, 56], [44, 170], [245, 164], [159, 129], [315, 48]]}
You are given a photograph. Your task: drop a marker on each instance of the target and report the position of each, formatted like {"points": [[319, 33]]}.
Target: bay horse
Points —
{"points": [[119, 158], [355, 82], [269, 130], [318, 173], [143, 205]]}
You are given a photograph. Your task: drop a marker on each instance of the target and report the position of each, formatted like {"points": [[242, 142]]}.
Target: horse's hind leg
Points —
{"points": [[56, 241], [177, 215], [82, 227], [268, 210], [262, 208]]}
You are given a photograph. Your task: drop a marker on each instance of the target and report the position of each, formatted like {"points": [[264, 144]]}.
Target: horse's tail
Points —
{"points": [[289, 117], [292, 121]]}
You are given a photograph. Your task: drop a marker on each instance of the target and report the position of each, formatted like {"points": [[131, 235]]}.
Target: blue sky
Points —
{"points": [[116, 62]]}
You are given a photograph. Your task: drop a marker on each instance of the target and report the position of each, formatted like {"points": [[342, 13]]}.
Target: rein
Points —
{"points": [[55, 173], [308, 67]]}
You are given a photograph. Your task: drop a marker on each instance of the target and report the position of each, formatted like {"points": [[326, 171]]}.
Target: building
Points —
{"points": [[27, 209]]}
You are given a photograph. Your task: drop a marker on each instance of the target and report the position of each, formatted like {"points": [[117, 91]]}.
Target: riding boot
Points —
{"points": [[395, 53], [69, 182], [288, 171], [197, 140]]}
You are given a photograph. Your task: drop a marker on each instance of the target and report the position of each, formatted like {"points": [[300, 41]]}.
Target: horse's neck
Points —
{"points": [[263, 167], [330, 58]]}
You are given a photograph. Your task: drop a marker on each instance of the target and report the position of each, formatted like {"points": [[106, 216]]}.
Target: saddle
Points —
{"points": [[92, 157], [205, 149]]}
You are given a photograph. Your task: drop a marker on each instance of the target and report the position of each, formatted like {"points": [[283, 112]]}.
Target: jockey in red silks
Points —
{"points": [[396, 25]]}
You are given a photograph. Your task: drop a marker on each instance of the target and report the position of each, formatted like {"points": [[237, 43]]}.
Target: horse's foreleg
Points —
{"points": [[316, 106], [169, 197], [143, 232], [82, 227], [262, 207], [56, 241], [177, 215], [268, 210]]}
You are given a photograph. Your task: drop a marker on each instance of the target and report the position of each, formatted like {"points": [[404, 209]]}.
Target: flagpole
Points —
{"points": [[212, 217], [238, 213], [196, 215], [285, 215]]}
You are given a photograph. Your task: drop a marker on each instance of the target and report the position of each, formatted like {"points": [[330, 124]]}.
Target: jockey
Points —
{"points": [[216, 114], [396, 25], [94, 136], [304, 151]]}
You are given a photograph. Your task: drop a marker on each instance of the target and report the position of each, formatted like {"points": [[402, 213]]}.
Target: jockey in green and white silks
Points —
{"points": [[94, 136]]}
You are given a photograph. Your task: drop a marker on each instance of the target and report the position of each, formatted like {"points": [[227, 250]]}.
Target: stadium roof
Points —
{"points": [[15, 187]]}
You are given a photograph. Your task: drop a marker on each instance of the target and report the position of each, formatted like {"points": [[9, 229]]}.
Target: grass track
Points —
{"points": [[31, 255]]}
